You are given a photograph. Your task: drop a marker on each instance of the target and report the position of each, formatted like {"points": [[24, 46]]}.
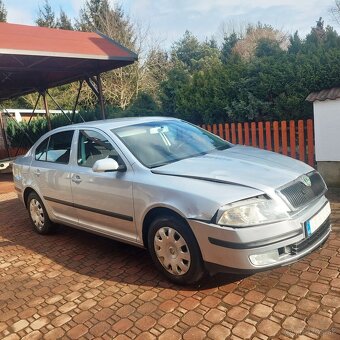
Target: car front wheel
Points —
{"points": [[174, 250], [38, 214]]}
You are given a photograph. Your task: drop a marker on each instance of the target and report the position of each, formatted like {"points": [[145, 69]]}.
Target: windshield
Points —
{"points": [[159, 143]]}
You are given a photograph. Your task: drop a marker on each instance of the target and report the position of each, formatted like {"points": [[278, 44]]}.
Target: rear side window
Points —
{"points": [[56, 148], [93, 146], [59, 147]]}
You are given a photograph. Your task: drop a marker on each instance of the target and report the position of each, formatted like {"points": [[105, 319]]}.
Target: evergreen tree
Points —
{"points": [[3, 12], [46, 16], [187, 50], [266, 47], [64, 22], [295, 43], [272, 84], [229, 42], [92, 14]]}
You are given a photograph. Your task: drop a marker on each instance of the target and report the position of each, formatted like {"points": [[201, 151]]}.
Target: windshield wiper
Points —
{"points": [[178, 159], [223, 147], [164, 163]]}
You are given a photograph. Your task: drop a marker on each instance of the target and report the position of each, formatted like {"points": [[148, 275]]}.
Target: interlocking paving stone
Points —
{"points": [[73, 284]]}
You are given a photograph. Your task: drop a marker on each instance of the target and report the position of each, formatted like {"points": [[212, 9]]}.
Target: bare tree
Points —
{"points": [[246, 46], [229, 27], [157, 66], [122, 86], [335, 11]]}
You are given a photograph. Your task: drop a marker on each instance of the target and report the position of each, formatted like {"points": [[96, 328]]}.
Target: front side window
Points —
{"points": [[93, 146]]}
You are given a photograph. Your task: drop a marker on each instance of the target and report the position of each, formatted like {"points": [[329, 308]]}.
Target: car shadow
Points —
{"points": [[88, 254], [333, 194]]}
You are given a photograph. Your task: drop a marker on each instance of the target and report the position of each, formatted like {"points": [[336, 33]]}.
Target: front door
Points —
{"points": [[103, 200]]}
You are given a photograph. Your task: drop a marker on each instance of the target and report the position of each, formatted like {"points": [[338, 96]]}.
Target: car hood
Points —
{"points": [[240, 165]]}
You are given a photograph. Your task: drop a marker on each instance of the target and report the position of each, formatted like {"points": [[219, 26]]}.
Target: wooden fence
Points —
{"points": [[291, 138]]}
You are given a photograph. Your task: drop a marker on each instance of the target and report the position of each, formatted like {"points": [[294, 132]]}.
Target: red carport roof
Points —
{"points": [[35, 58]]}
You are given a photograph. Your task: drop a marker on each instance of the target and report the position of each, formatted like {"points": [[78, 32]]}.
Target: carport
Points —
{"points": [[35, 59]]}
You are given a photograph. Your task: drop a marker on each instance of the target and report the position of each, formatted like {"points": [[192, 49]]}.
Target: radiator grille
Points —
{"points": [[297, 248], [298, 194]]}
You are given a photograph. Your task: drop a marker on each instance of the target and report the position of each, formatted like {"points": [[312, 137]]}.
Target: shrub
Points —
{"points": [[24, 134]]}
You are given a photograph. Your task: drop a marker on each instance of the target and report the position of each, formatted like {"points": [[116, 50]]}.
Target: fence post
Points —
{"points": [[276, 136], [227, 131], [233, 133], [220, 130], [261, 136], [239, 133], [253, 134], [246, 133], [284, 137], [214, 129], [292, 141], [310, 142], [268, 136], [301, 140]]}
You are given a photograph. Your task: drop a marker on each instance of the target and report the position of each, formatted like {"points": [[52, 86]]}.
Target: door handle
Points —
{"points": [[76, 179], [37, 172]]}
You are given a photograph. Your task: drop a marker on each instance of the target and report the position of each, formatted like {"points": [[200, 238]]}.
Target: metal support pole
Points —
{"points": [[101, 97], [77, 99], [35, 106], [47, 112], [91, 83], [59, 107], [2, 126]]}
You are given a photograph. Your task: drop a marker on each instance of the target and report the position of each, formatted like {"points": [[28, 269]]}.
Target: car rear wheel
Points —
{"points": [[38, 214], [174, 250]]}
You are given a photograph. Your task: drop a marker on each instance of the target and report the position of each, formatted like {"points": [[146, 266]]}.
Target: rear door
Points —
{"points": [[103, 200], [50, 171]]}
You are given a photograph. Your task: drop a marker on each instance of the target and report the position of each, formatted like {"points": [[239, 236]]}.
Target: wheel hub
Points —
{"points": [[37, 213], [172, 251]]}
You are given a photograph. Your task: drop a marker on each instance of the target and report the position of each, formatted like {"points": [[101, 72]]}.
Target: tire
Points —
{"points": [[174, 250], [38, 215]]}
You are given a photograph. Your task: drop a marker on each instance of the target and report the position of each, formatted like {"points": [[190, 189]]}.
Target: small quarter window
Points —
{"points": [[40, 151]]}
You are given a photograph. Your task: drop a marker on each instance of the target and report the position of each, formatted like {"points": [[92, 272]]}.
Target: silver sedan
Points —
{"points": [[196, 202]]}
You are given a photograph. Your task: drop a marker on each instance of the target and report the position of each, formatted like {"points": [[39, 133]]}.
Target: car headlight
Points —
{"points": [[254, 211]]}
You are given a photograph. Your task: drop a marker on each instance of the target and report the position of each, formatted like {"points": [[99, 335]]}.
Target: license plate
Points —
{"points": [[317, 220]]}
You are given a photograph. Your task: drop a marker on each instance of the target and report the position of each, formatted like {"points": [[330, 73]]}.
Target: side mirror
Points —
{"points": [[106, 164]]}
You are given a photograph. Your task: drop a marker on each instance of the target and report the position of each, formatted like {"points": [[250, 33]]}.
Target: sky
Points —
{"points": [[169, 19]]}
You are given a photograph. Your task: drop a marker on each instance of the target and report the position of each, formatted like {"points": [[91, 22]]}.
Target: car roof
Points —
{"points": [[109, 124]]}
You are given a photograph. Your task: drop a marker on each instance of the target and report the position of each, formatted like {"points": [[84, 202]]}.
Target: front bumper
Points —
{"points": [[273, 245]]}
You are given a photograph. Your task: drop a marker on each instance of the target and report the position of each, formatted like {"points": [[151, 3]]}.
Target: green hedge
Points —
{"points": [[17, 132]]}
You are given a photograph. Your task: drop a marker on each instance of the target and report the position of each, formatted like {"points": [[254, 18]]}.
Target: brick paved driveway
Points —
{"points": [[76, 285]]}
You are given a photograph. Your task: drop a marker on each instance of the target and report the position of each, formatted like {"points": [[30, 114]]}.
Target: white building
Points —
{"points": [[326, 104]]}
